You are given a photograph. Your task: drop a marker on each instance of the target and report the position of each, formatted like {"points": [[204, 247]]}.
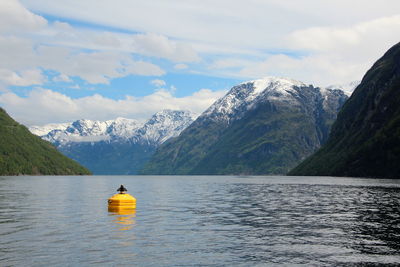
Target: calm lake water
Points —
{"points": [[200, 221]]}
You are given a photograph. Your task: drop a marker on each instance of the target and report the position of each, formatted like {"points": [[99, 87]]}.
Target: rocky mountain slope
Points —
{"points": [[263, 126], [24, 153], [118, 146], [365, 139]]}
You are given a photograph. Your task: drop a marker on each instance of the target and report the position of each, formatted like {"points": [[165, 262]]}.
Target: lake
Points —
{"points": [[200, 221]]}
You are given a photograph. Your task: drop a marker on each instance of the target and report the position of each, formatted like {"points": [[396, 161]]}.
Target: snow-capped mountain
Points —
{"points": [[45, 129], [159, 128], [86, 131], [162, 126], [119, 146], [245, 96], [263, 126]]}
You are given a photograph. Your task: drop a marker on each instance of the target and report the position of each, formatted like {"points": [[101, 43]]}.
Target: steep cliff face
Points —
{"points": [[365, 139], [24, 153], [264, 126]]}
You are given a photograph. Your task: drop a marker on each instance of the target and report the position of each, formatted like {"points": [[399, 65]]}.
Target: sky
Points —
{"points": [[95, 59]]}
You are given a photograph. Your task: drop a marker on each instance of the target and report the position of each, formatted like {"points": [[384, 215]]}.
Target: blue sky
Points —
{"points": [[66, 60]]}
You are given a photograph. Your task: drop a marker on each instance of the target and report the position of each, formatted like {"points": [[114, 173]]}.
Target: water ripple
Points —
{"points": [[194, 221]]}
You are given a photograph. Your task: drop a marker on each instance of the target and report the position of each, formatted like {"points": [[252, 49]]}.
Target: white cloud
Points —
{"points": [[227, 63], [250, 39], [22, 78], [142, 68], [172, 89], [147, 44], [157, 45], [378, 31], [62, 78], [14, 17], [318, 70], [43, 106], [252, 23], [18, 54], [94, 67], [342, 54], [158, 83], [62, 26], [28, 42], [105, 39], [181, 66], [321, 55]]}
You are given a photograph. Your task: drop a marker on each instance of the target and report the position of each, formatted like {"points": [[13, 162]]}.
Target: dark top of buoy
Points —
{"points": [[122, 189]]}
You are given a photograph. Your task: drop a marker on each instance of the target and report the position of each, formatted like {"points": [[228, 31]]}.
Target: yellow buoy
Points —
{"points": [[122, 201]]}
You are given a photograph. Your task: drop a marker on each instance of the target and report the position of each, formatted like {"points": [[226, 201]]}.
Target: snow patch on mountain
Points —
{"points": [[245, 95], [164, 125], [248, 95], [45, 129], [122, 127], [276, 84]]}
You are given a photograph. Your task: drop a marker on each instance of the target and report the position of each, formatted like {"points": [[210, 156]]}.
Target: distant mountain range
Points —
{"points": [[264, 126], [365, 139], [22, 153], [118, 146]]}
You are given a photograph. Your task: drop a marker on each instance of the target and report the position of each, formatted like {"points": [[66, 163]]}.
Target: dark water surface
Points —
{"points": [[200, 221]]}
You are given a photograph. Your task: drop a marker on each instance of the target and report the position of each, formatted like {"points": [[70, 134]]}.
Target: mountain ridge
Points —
{"points": [[117, 146], [160, 127], [203, 147]]}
